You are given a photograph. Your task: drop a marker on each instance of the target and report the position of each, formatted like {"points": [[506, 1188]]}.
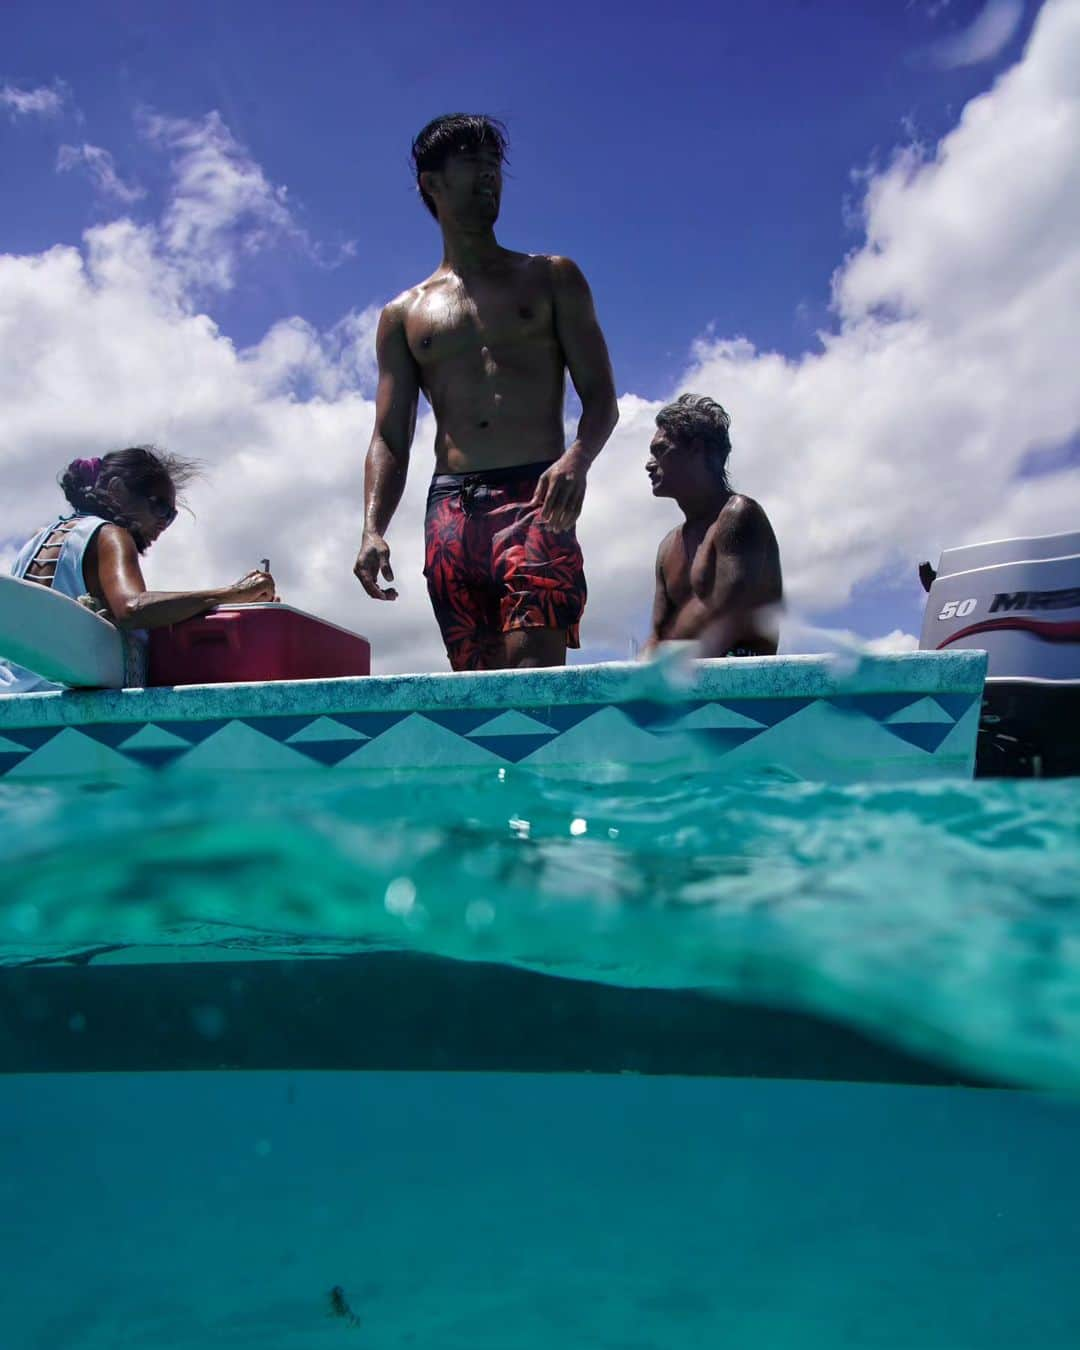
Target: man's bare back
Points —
{"points": [[718, 578]]}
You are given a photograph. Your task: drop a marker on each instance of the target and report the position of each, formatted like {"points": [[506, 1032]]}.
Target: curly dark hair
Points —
{"points": [[144, 470], [694, 417], [443, 136]]}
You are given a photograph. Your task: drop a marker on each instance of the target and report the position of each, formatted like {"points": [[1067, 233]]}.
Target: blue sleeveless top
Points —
{"points": [[68, 579]]}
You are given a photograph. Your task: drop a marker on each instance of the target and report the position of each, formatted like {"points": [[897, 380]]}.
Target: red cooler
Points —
{"points": [[237, 643]]}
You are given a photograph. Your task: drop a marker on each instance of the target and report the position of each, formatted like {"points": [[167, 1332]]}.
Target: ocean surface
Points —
{"points": [[622, 1211]]}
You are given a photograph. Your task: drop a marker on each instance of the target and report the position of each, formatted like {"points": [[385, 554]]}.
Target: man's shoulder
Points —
{"points": [[563, 270], [400, 306], [743, 518], [668, 543], [556, 267], [741, 507]]}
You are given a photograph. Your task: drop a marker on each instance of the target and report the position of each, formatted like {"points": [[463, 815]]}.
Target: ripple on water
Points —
{"points": [[943, 917]]}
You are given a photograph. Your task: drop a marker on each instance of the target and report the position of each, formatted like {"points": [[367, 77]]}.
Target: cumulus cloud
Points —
{"points": [[98, 165], [44, 101], [951, 360], [984, 38]]}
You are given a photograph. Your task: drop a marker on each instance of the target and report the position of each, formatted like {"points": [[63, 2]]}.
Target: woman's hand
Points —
{"points": [[254, 589]]}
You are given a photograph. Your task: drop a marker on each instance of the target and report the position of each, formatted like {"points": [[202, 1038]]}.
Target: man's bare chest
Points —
{"points": [[689, 564], [486, 320]]}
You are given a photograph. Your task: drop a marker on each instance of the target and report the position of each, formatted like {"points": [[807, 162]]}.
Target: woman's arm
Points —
{"points": [[122, 589]]}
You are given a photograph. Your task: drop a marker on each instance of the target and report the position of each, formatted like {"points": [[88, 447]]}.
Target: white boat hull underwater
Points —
{"points": [[820, 718]]}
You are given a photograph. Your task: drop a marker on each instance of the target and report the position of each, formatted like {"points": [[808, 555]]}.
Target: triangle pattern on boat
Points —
{"points": [[113, 735], [511, 748], [329, 752], [876, 706], [9, 759], [240, 746], [326, 729], [569, 714], [605, 736], [722, 739], [650, 714], [767, 712], [33, 737], [70, 754], [923, 710], [372, 725], [152, 737], [715, 717], [193, 732], [12, 747], [461, 720], [415, 740], [277, 728], [956, 705], [925, 735], [511, 723], [157, 756]]}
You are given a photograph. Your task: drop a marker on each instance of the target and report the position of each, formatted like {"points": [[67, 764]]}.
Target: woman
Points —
{"points": [[120, 504]]}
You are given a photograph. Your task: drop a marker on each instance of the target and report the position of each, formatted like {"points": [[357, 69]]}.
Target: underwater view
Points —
{"points": [[766, 1064]]}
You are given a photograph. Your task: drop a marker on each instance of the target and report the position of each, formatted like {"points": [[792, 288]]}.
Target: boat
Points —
{"points": [[1019, 601], [822, 718], [836, 719]]}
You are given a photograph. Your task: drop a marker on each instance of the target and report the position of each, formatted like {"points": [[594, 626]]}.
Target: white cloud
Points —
{"points": [[222, 206], [99, 166], [44, 101], [953, 357], [984, 38]]}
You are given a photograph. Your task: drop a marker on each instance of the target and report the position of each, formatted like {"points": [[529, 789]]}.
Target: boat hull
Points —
{"points": [[911, 716]]}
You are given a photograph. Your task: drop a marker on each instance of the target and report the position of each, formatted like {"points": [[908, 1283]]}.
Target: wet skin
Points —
{"points": [[718, 576], [488, 338], [114, 576]]}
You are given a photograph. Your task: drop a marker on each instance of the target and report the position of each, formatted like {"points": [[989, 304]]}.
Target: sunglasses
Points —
{"points": [[162, 510]]}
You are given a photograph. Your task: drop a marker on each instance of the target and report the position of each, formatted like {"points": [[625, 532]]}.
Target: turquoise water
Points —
{"points": [[522, 1210], [943, 918]]}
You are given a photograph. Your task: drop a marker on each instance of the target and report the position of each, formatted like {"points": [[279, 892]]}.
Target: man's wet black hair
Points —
{"points": [[695, 417], [144, 470], [450, 133]]}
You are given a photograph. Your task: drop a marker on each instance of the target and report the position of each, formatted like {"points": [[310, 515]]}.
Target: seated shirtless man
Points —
{"points": [[489, 338], [718, 574]]}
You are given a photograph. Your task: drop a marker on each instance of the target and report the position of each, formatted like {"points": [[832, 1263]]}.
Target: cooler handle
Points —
{"points": [[220, 630]]}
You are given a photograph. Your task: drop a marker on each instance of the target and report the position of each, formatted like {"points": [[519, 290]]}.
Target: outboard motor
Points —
{"points": [[1018, 600]]}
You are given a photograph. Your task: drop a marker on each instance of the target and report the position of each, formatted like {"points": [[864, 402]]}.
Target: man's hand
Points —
{"points": [[560, 491], [373, 559]]}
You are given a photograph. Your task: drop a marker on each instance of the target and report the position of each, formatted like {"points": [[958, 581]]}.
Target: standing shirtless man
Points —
{"points": [[488, 338], [718, 574]]}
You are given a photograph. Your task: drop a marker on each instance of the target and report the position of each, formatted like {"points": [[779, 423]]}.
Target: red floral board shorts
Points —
{"points": [[492, 566]]}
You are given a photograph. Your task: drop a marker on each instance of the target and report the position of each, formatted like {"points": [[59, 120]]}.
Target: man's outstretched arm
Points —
{"points": [[561, 490], [387, 463]]}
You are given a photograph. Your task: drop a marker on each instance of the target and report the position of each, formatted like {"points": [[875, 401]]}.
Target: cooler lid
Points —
{"points": [[279, 608]]}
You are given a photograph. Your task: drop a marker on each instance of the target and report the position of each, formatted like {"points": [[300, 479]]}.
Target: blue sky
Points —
{"points": [[707, 165], [695, 159]]}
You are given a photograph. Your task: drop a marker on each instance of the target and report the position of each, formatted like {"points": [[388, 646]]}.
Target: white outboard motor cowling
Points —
{"points": [[1019, 601]]}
